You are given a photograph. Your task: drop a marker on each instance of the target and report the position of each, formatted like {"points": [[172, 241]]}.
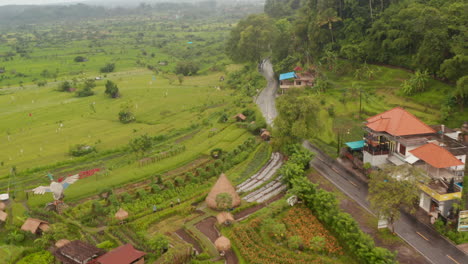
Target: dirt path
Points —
{"points": [[207, 227], [189, 239]]}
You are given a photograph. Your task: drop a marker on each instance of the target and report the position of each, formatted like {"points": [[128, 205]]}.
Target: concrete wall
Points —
{"points": [[374, 160], [425, 202], [461, 167]]}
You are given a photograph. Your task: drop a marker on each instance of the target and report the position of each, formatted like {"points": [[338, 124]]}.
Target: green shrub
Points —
{"points": [[109, 67], [186, 68], [41, 257], [295, 242], [106, 245], [79, 150]]}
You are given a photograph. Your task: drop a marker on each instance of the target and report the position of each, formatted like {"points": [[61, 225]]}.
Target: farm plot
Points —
{"points": [[265, 174], [295, 236]]}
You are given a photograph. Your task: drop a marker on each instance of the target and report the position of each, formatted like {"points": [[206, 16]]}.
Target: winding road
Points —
{"points": [[266, 99], [435, 248]]}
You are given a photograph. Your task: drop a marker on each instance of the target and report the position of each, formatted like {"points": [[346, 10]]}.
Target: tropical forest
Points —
{"points": [[238, 132]]}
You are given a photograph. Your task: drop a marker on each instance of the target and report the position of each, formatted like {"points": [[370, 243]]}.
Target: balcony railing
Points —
{"points": [[376, 151]]}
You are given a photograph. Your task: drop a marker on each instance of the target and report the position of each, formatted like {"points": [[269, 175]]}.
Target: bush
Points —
{"points": [[64, 86], [295, 242], [41, 257], [126, 117], [186, 68], [80, 59], [109, 67], [106, 245], [81, 150], [111, 89]]}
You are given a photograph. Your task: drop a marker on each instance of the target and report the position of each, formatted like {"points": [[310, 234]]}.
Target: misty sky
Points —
{"points": [[36, 2]]}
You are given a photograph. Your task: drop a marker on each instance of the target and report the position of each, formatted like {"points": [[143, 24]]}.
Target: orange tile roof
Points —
{"points": [[398, 122], [436, 156]]}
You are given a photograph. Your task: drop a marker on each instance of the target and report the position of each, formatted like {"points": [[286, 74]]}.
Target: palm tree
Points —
{"points": [[328, 16]]}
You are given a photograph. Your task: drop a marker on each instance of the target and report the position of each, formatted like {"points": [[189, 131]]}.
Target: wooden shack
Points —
{"points": [[77, 252], [240, 117]]}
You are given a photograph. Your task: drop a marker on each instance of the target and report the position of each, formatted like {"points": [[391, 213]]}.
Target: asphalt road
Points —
{"points": [[266, 99], [435, 248]]}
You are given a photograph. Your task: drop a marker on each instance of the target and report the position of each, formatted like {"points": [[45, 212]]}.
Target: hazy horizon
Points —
{"points": [[36, 2]]}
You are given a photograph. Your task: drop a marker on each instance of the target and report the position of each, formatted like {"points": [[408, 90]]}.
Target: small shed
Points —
{"points": [[225, 218], [265, 135], [35, 226], [222, 243], [77, 252], [222, 185], [121, 214], [62, 242], [240, 117], [2, 206], [3, 216]]}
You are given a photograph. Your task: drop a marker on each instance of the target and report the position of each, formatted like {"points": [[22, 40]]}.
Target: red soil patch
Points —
{"points": [[187, 238], [206, 226]]}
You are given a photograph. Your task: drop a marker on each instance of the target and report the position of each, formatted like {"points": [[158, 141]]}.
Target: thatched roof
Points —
{"points": [[222, 243], [2, 206], [3, 216], [32, 225], [223, 185], [240, 116], [225, 218], [62, 242], [121, 214]]}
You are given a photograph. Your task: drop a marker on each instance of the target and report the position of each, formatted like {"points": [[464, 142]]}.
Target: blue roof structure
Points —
{"points": [[288, 75], [355, 145]]}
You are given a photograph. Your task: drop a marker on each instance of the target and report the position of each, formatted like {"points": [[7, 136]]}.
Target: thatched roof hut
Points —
{"points": [[225, 218], [62, 242], [223, 185], [265, 135], [240, 117], [222, 243], [34, 225], [121, 214], [3, 216], [2, 206]]}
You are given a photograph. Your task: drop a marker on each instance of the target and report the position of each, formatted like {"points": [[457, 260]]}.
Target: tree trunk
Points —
{"points": [[370, 8]]}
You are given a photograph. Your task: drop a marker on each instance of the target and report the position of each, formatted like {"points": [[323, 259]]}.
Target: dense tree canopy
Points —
{"points": [[416, 34], [250, 40]]}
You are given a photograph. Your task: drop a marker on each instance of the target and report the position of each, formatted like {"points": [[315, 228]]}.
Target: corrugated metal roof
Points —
{"points": [[288, 75]]}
